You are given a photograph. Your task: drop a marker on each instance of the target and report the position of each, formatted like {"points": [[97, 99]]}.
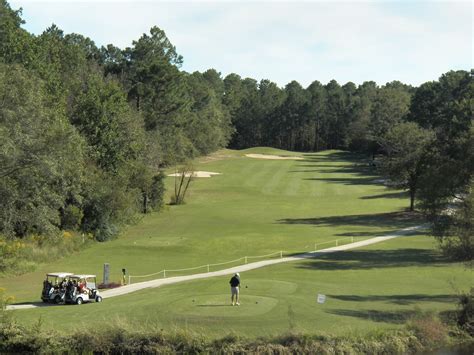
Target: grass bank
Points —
{"points": [[422, 334]]}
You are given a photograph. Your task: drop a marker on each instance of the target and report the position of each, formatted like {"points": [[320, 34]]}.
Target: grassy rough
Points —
{"points": [[124, 340]]}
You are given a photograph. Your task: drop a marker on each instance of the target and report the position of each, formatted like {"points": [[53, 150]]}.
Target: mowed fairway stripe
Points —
{"points": [[277, 180], [242, 268], [262, 171], [293, 184]]}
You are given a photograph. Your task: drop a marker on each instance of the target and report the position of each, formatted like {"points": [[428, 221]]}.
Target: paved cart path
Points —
{"points": [[230, 271]]}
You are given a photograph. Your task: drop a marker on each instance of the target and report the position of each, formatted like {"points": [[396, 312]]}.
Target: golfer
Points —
{"points": [[234, 289]]}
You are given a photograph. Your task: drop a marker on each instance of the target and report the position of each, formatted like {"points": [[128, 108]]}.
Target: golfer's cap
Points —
{"points": [[237, 274]]}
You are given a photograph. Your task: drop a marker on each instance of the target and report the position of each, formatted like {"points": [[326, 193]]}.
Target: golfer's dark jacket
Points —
{"points": [[234, 281]]}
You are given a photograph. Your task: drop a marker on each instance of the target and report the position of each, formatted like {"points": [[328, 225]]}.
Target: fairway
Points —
{"points": [[260, 206], [255, 207]]}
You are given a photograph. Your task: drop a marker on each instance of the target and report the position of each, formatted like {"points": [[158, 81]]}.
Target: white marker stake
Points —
{"points": [[321, 298]]}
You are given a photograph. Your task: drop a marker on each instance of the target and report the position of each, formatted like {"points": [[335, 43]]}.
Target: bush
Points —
{"points": [[107, 205], [10, 253], [466, 312], [121, 337], [429, 329], [157, 193], [17, 257], [71, 217]]}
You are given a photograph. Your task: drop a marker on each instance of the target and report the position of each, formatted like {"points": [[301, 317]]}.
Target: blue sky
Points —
{"points": [[410, 41]]}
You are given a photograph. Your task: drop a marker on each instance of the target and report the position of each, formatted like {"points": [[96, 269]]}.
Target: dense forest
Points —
{"points": [[85, 131]]}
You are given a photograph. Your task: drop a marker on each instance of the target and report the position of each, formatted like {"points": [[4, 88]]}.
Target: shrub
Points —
{"points": [[466, 312], [122, 337], [429, 329], [157, 193], [17, 257], [71, 217], [10, 252]]}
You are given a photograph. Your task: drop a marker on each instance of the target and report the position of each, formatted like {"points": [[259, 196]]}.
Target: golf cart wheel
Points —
{"points": [[79, 300], [98, 299], [57, 299]]}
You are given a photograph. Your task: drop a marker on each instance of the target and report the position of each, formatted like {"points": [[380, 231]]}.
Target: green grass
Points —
{"points": [[378, 287], [257, 207]]}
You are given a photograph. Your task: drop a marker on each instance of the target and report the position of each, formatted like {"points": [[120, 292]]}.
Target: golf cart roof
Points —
{"points": [[59, 274], [80, 276]]}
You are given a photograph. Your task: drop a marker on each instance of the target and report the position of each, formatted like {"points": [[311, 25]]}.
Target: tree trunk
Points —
{"points": [[412, 200], [145, 202]]}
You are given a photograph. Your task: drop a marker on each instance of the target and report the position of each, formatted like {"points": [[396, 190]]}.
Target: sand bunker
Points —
{"points": [[199, 174], [272, 157]]}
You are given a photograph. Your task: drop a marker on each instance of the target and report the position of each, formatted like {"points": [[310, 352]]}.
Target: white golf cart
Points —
{"points": [[82, 288], [54, 287]]}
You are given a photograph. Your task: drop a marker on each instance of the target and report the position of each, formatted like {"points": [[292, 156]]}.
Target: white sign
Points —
{"points": [[321, 298]]}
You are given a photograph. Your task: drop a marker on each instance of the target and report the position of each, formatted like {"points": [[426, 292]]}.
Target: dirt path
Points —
{"points": [[241, 268]]}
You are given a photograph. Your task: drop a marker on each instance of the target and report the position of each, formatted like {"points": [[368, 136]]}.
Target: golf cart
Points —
{"points": [[82, 288], [54, 287]]}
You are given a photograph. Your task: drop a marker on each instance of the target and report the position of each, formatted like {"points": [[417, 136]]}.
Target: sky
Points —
{"points": [[410, 41]]}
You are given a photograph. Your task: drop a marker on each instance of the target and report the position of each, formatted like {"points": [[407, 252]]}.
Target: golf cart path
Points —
{"points": [[241, 268]]}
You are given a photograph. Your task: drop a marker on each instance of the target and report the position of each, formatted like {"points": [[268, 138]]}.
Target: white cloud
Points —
{"points": [[305, 41]]}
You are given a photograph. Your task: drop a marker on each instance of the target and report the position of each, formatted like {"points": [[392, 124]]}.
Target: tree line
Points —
{"points": [[421, 138], [85, 131]]}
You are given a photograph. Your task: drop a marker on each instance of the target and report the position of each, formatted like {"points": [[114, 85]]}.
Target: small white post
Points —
{"points": [[246, 260], [281, 254], [129, 278], [337, 242], [207, 267], [164, 273]]}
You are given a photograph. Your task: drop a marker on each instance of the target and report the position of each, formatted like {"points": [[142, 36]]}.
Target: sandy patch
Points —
{"points": [[272, 157], [199, 174]]}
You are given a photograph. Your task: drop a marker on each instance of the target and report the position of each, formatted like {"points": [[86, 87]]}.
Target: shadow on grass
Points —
{"points": [[334, 156], [358, 166], [377, 233], [398, 299], [213, 305], [400, 195], [331, 166], [342, 169], [368, 180], [388, 220], [394, 317], [374, 259]]}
